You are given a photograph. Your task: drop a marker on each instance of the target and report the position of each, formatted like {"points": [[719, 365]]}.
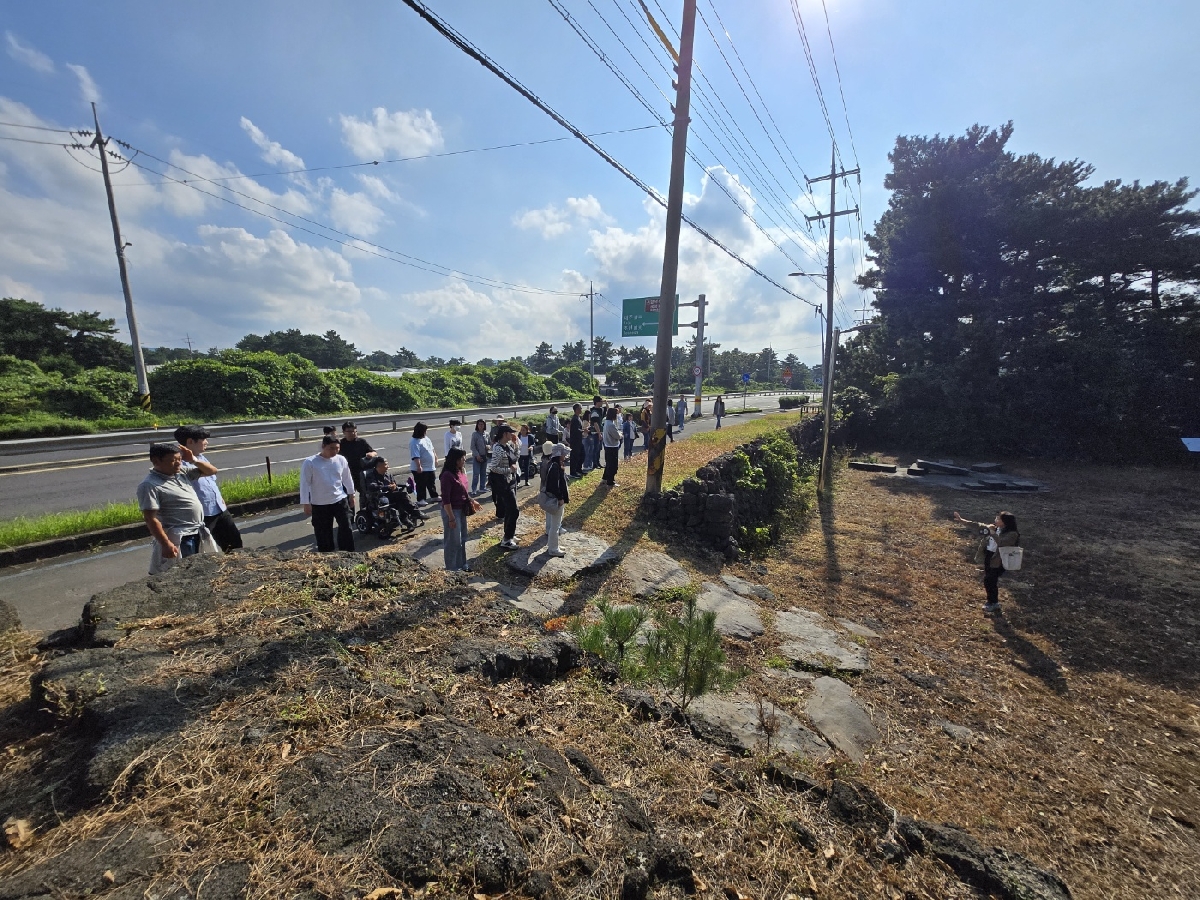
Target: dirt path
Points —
{"points": [[1082, 700]]}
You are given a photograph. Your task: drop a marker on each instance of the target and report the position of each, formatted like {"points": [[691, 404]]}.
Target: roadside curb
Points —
{"points": [[26, 553]]}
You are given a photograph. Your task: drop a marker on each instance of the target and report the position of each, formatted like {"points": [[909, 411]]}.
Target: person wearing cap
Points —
{"points": [[424, 464], [327, 494], [171, 508], [216, 515], [356, 450], [452, 438], [554, 498], [553, 427], [500, 475]]}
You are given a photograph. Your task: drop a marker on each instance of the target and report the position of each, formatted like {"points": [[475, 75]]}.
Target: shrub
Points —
{"points": [[577, 380], [370, 390], [793, 401]]}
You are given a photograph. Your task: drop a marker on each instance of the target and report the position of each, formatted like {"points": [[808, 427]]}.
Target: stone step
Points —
{"points": [[942, 468], [917, 470], [863, 466]]}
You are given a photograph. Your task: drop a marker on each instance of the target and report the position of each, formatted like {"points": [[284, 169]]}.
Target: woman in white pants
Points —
{"points": [[554, 498]]}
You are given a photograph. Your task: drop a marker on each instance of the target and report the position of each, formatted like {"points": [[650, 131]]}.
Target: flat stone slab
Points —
{"points": [[817, 644], [942, 468], [863, 466], [747, 588], [737, 617], [539, 603], [840, 718], [650, 571], [732, 721], [987, 467], [858, 628], [584, 552]]}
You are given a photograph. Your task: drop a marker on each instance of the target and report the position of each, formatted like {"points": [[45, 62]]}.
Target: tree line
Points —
{"points": [[1025, 308]]}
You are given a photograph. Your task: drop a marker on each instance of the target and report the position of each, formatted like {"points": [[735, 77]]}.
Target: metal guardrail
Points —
{"points": [[148, 436]]}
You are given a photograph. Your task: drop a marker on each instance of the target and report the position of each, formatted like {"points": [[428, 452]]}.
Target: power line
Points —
{"points": [[44, 143], [838, 72], [594, 46], [400, 159], [42, 128], [496, 69], [355, 242]]}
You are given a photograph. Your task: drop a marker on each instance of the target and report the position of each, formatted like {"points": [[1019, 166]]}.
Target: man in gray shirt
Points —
{"points": [[170, 507]]}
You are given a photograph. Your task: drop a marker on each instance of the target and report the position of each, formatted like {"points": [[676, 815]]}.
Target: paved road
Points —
{"points": [[90, 484], [51, 593]]}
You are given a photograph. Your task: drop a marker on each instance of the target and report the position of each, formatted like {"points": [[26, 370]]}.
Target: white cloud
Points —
{"points": [[185, 201], [405, 133], [273, 152], [87, 87], [354, 213], [23, 53], [553, 221]]}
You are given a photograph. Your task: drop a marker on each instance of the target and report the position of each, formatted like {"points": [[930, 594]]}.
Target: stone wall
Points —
{"points": [[712, 507]]}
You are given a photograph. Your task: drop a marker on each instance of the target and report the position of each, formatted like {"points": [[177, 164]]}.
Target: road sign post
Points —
{"points": [[745, 387]]}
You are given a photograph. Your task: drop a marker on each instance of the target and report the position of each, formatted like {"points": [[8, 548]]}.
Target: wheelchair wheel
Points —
{"points": [[361, 524]]}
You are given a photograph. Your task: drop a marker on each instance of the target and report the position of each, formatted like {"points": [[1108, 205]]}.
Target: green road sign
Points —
{"points": [[639, 317]]}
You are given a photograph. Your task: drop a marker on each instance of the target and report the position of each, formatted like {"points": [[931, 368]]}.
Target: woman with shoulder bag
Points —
{"points": [[500, 477], [996, 539], [554, 498], [456, 506]]}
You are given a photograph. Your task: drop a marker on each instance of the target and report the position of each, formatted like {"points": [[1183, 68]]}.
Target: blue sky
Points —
{"points": [[224, 90]]}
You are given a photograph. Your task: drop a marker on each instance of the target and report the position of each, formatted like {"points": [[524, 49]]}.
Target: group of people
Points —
{"points": [[181, 502]]}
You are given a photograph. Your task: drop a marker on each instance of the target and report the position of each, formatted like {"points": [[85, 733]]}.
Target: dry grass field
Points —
{"points": [[1083, 703]]}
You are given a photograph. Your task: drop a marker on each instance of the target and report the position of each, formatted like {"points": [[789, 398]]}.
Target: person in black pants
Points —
{"points": [[576, 438], [500, 478], [612, 445]]}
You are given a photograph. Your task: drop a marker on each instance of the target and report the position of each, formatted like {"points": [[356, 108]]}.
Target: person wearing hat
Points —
{"points": [[497, 423], [554, 498], [501, 470], [378, 483], [452, 438]]}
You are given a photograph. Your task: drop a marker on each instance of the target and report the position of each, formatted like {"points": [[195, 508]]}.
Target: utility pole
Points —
{"points": [[139, 364], [592, 329], [701, 303], [827, 378], [670, 270], [837, 334]]}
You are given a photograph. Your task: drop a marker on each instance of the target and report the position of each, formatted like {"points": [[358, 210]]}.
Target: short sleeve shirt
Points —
{"points": [[173, 498]]}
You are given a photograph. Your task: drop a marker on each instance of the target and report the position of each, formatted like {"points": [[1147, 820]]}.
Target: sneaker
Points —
{"points": [[562, 530], [557, 553], [990, 608], [510, 544]]}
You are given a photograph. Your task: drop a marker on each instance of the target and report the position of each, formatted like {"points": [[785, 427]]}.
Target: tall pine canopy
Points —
{"points": [[1028, 309]]}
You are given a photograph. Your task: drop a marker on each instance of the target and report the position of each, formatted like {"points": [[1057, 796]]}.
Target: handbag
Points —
{"points": [[471, 508], [547, 502], [1010, 558]]}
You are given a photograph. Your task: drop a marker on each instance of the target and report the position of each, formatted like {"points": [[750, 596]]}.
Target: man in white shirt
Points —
{"points": [[327, 494]]}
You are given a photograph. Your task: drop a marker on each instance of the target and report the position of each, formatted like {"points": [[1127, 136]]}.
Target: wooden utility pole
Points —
{"points": [[670, 271], [139, 364], [827, 376]]}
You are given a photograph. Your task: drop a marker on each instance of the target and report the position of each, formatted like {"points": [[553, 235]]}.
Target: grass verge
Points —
{"points": [[29, 530]]}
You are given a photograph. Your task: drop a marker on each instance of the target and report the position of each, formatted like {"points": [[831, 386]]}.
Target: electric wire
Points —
{"points": [[354, 241], [400, 159], [461, 42], [841, 91], [40, 128], [594, 46], [769, 201]]}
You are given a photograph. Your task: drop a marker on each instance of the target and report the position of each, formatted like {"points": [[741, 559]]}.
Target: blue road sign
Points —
{"points": [[745, 378]]}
